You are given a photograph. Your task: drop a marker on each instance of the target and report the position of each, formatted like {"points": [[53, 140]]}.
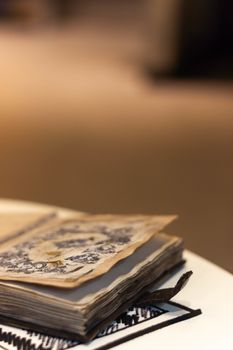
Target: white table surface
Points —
{"points": [[210, 288]]}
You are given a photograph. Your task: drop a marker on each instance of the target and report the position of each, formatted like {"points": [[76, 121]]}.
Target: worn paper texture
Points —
{"points": [[13, 225], [70, 252]]}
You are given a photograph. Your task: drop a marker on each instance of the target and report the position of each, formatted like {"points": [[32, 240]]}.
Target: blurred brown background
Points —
{"points": [[106, 106]]}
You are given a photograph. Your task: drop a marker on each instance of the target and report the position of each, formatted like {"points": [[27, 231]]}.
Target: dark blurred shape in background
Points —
{"points": [[191, 37], [204, 37], [122, 106]]}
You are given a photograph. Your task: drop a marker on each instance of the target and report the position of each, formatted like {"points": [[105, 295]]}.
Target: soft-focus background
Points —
{"points": [[122, 107]]}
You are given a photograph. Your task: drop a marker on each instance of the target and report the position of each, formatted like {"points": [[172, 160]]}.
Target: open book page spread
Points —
{"points": [[82, 311], [66, 253], [77, 278], [120, 274]]}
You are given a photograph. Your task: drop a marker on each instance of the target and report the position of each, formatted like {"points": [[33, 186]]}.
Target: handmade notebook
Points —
{"points": [[73, 276]]}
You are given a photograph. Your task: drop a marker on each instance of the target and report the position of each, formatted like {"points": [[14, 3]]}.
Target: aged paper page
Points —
{"points": [[71, 252], [13, 225]]}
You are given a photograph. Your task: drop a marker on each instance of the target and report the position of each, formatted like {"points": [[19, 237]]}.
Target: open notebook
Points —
{"points": [[73, 276]]}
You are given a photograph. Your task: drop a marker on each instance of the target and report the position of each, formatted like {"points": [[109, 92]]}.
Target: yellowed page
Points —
{"points": [[70, 252], [13, 225]]}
